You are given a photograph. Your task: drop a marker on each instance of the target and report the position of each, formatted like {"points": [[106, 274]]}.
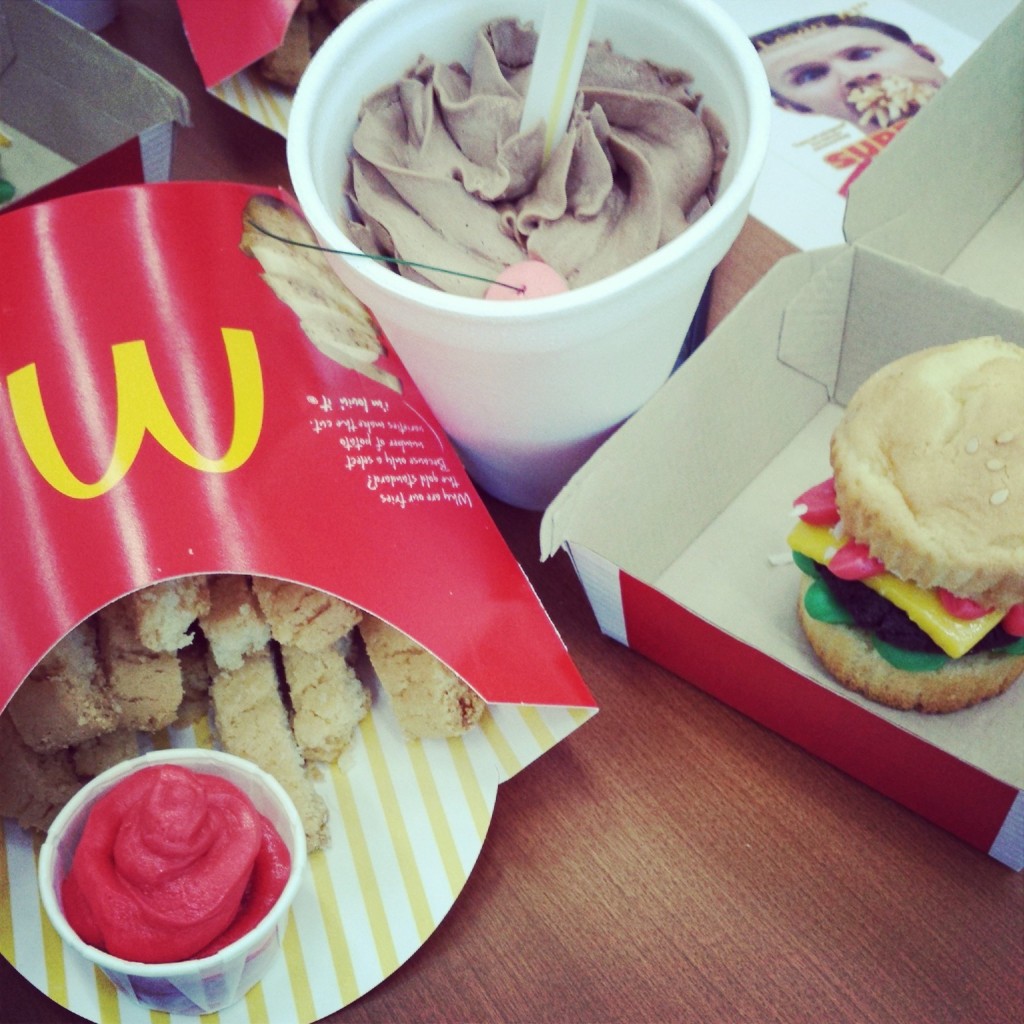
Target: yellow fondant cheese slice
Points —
{"points": [[955, 636]]}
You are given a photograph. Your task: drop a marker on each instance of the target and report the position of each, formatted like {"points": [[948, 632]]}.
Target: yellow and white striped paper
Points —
{"points": [[407, 822], [262, 101]]}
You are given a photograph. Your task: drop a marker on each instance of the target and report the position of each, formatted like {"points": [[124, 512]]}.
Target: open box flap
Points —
{"points": [[229, 35], [924, 310], [689, 409], [953, 168], [852, 296], [239, 447]]}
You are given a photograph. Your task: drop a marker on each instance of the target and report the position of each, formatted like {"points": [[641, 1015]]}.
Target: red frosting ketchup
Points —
{"points": [[173, 865]]}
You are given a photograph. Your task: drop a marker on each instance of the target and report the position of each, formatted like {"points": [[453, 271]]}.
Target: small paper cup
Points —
{"points": [[528, 390], [192, 986]]}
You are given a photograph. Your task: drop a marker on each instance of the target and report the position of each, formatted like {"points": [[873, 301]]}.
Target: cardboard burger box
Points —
{"points": [[75, 113], [674, 524], [173, 406]]}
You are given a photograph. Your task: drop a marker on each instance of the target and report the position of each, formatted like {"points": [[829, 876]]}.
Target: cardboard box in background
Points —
{"points": [[672, 525], [950, 194], [80, 113]]}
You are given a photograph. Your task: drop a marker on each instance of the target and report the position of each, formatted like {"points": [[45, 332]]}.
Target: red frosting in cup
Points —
{"points": [[173, 865]]}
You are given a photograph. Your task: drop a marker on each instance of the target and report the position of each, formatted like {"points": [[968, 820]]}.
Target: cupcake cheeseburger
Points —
{"points": [[913, 550]]}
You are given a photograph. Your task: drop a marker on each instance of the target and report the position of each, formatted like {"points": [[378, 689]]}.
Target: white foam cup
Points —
{"points": [[191, 987], [527, 390]]}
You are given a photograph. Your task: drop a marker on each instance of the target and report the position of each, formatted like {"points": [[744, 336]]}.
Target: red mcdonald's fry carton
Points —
{"points": [[178, 401]]}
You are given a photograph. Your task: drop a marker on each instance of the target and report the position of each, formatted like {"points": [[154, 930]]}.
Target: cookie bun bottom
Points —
{"points": [[850, 658]]}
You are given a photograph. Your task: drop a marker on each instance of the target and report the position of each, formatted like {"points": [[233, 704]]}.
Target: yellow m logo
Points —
{"points": [[141, 409]]}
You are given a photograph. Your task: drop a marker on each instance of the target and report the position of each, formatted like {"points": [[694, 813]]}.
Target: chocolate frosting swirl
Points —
{"points": [[441, 174]]}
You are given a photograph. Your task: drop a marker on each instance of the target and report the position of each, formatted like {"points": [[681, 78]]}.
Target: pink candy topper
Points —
{"points": [[530, 279]]}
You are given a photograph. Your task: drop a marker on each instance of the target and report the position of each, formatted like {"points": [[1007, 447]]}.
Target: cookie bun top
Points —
{"points": [[929, 468]]}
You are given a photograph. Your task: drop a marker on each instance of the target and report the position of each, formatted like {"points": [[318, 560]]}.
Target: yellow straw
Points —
{"points": [[554, 80]]}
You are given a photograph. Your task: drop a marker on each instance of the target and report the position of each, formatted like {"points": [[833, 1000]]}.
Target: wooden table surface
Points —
{"points": [[671, 861]]}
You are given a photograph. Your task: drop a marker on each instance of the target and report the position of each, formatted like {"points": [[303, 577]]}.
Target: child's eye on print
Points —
{"points": [[861, 53], [809, 73]]}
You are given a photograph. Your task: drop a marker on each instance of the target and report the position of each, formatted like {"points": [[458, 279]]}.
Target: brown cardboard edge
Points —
{"points": [[954, 165], [53, 72], [742, 359]]}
